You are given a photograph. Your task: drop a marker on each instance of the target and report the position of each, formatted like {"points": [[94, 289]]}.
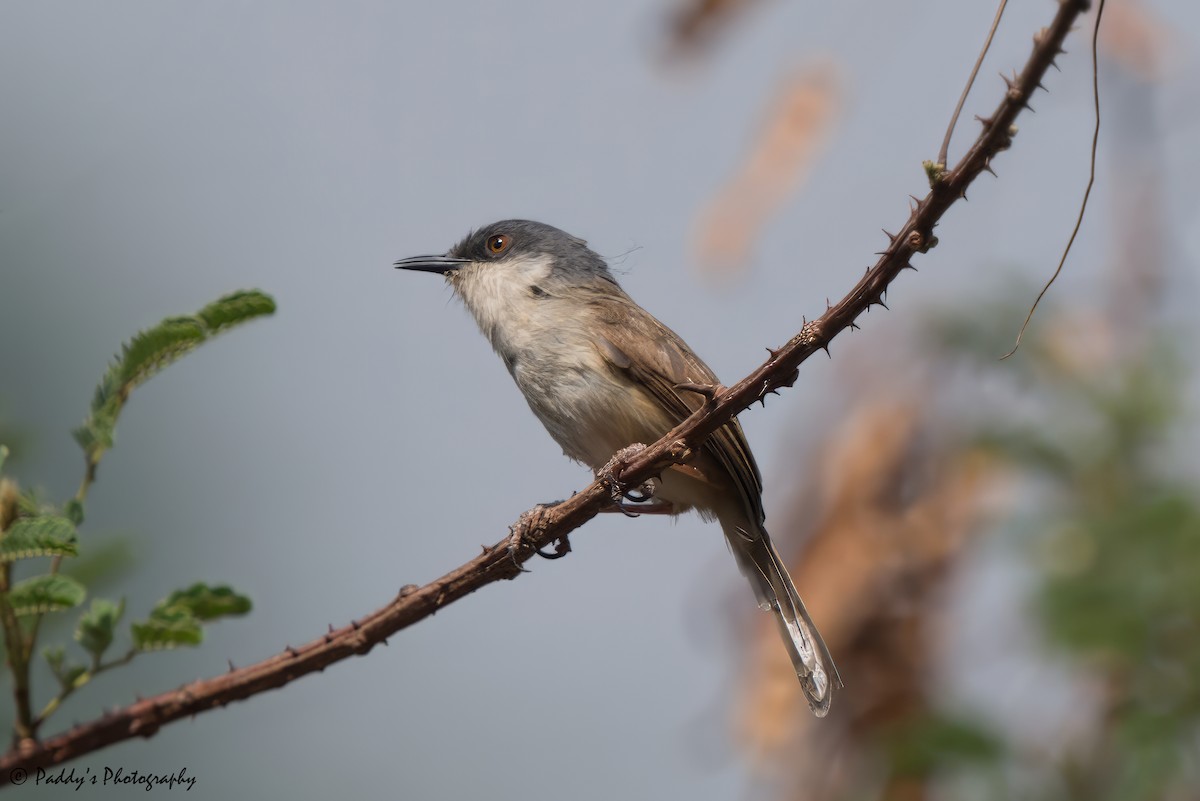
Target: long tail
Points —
{"points": [[773, 586]]}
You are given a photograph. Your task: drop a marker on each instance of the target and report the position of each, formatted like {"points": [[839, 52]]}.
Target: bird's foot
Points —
{"points": [[521, 536], [630, 501], [610, 474]]}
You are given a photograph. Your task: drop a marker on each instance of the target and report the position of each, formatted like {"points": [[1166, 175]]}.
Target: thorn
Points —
{"points": [[354, 624], [962, 193], [383, 641], [884, 305], [762, 393], [825, 348], [854, 326], [891, 237], [906, 266], [828, 305], [774, 353], [331, 628], [1009, 82], [987, 165], [292, 652], [1055, 65], [231, 667], [1025, 104], [881, 253], [1042, 87], [986, 122]]}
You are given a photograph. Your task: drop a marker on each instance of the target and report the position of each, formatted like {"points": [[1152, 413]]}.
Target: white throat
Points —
{"points": [[503, 298]]}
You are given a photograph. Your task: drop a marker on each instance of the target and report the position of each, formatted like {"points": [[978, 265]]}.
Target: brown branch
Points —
{"points": [[541, 526]]}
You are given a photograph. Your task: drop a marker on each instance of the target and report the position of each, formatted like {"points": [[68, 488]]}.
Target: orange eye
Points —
{"points": [[498, 244]]}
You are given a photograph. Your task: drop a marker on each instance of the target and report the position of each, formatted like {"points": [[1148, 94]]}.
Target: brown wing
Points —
{"points": [[665, 362]]}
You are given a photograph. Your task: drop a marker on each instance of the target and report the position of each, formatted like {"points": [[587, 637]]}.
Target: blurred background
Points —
{"points": [[1004, 556]]}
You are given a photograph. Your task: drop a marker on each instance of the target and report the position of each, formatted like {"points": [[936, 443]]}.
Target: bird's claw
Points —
{"points": [[640, 495], [610, 474], [518, 537], [562, 547]]}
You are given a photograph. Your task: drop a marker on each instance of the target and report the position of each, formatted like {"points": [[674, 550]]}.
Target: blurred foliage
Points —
{"points": [[32, 528], [1114, 524], [934, 743]]}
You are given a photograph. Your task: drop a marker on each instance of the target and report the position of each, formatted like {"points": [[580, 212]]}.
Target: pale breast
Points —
{"points": [[545, 342]]}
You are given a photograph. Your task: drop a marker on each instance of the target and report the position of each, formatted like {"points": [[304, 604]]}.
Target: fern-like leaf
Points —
{"points": [[45, 593], [176, 620], [97, 626], [235, 308], [152, 350], [207, 603], [167, 629], [38, 536]]}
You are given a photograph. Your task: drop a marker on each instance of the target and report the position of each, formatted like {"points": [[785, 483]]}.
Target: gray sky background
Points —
{"points": [[156, 155]]}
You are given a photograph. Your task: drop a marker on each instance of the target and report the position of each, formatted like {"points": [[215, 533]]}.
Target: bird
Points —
{"points": [[603, 374]]}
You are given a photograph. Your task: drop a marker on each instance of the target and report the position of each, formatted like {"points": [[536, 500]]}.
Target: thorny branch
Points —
{"points": [[542, 525]]}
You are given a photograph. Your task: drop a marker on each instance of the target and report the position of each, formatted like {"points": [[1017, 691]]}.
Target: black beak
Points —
{"points": [[432, 264]]}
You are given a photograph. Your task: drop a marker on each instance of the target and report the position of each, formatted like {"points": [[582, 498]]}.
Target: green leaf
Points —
{"points": [[167, 628], [177, 619], [55, 656], [38, 536], [96, 626], [67, 674], [46, 593], [73, 510], [206, 603], [235, 308], [153, 349]]}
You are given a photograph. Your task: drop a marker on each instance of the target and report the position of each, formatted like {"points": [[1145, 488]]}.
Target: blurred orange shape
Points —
{"points": [[1135, 38], [797, 127]]}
